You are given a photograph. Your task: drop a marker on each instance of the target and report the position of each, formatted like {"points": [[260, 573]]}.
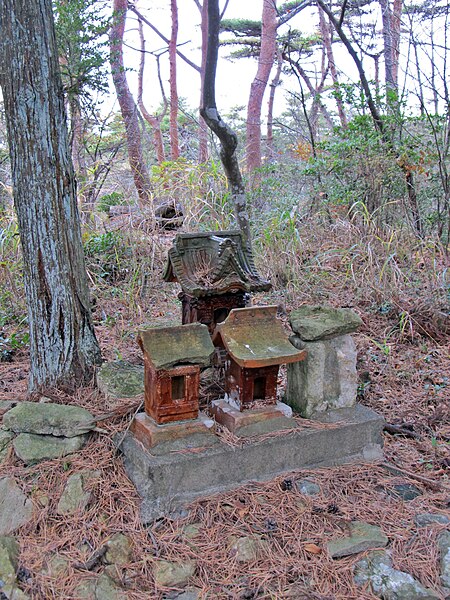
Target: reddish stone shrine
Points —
{"points": [[172, 360], [216, 273], [256, 345]]}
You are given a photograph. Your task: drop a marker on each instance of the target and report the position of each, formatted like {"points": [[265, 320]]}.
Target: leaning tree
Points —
{"points": [[63, 347]]}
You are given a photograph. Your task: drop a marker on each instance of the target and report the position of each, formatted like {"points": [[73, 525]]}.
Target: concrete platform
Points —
{"points": [[168, 482]]}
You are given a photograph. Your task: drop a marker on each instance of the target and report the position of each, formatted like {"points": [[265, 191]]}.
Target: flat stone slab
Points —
{"points": [[33, 448], [170, 481], [15, 508], [49, 419], [173, 437], [313, 323], [251, 422], [363, 536]]}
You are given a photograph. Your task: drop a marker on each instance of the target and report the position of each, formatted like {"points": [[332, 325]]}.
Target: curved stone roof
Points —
{"points": [[212, 263]]}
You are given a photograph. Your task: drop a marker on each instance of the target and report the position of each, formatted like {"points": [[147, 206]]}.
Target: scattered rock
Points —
{"points": [[362, 537], [6, 405], [119, 550], [245, 549], [444, 552], [192, 530], [49, 419], [405, 491], [388, 583], [33, 448], [74, 496], [56, 566], [119, 379], [9, 559], [192, 594], [171, 574], [313, 323], [12, 592], [5, 439], [431, 519], [308, 487], [15, 508], [101, 588]]}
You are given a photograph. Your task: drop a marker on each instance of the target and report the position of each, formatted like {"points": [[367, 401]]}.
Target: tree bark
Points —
{"points": [[265, 62], [174, 144], [228, 138], [63, 347], [128, 107], [153, 120], [202, 126], [273, 87]]}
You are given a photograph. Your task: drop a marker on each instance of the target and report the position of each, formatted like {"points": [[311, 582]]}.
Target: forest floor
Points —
{"points": [[405, 378]]}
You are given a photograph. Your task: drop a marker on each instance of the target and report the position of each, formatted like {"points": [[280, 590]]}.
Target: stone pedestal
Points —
{"points": [[327, 378], [256, 421]]}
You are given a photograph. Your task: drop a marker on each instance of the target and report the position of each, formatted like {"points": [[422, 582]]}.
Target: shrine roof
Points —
{"points": [[214, 262], [254, 337], [170, 346]]}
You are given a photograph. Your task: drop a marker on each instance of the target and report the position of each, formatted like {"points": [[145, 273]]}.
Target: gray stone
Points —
{"points": [[167, 482], [9, 559], [326, 379], [191, 531], [362, 537], [15, 508], [119, 379], [431, 519], [6, 405], [444, 553], [49, 419], [386, 582], [192, 594], [56, 566], [405, 491], [101, 588], [74, 496], [245, 549], [12, 592], [307, 487], [119, 550], [313, 323], [171, 574], [33, 448], [5, 439]]}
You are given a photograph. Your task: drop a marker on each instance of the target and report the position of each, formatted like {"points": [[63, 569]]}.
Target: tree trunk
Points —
{"points": [[63, 347], [273, 87], [202, 126], [327, 41], [153, 120], [265, 62], [128, 107], [174, 144], [227, 137]]}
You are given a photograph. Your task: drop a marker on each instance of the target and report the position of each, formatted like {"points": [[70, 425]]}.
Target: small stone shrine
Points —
{"points": [[216, 273], [255, 345], [172, 360], [327, 379]]}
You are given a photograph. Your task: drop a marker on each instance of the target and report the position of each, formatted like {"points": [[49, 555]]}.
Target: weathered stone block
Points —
{"points": [[15, 508], [49, 419], [314, 323], [119, 379], [326, 379], [33, 448]]}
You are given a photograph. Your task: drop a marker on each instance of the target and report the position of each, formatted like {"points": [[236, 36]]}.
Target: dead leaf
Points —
{"points": [[312, 548]]}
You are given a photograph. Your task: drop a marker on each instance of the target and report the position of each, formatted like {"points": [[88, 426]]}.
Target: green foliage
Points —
{"points": [[106, 256], [112, 199], [81, 31]]}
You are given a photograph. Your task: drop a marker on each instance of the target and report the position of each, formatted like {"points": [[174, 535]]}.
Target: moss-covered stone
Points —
{"points": [[33, 448], [49, 419], [362, 537], [15, 508], [313, 323], [119, 379]]}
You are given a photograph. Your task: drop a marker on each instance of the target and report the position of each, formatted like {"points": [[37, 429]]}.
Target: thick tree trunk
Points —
{"points": [[174, 144], [63, 347], [227, 137], [153, 120], [128, 107], [265, 62]]}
